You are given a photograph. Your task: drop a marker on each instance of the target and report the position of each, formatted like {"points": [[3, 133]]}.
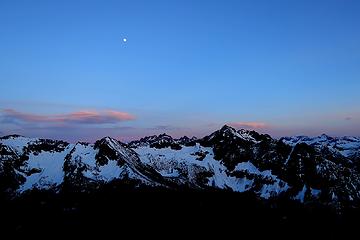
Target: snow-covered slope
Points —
{"points": [[322, 169], [346, 146], [17, 142], [45, 164], [196, 167], [44, 170]]}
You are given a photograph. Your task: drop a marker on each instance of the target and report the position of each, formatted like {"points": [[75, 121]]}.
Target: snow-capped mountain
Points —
{"points": [[163, 140], [320, 169], [346, 146]]}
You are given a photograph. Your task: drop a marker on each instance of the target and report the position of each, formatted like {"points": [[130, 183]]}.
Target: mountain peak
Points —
{"points": [[227, 128], [108, 141], [164, 135], [162, 140], [243, 134], [325, 136], [12, 136], [241, 160]]}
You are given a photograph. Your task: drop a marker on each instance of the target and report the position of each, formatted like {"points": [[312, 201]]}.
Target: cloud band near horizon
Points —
{"points": [[80, 117], [90, 125]]}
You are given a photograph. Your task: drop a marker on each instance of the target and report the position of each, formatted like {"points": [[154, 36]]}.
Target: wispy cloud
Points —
{"points": [[81, 117], [252, 125], [163, 127]]}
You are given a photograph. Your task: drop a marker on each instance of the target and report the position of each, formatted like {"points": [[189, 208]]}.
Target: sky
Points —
{"points": [[282, 67]]}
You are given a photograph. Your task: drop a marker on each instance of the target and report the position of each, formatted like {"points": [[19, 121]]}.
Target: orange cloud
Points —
{"points": [[253, 125], [86, 117]]}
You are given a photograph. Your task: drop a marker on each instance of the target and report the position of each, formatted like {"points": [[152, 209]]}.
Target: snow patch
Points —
{"points": [[301, 195], [50, 167], [18, 143]]}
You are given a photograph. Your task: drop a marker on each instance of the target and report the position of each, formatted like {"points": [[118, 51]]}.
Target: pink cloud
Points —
{"points": [[252, 125], [87, 117]]}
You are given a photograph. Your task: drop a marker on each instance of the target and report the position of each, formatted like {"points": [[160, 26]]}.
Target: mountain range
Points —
{"points": [[306, 169], [318, 171]]}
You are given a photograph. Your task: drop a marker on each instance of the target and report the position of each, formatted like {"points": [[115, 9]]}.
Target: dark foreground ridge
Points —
{"points": [[117, 209]]}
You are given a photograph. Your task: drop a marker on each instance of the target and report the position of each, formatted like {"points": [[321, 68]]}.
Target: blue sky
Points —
{"points": [[188, 67]]}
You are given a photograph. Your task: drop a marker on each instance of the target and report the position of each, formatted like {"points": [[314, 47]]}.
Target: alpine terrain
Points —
{"points": [[227, 170]]}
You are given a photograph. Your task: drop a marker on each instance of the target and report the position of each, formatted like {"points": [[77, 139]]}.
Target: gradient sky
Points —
{"points": [[284, 67]]}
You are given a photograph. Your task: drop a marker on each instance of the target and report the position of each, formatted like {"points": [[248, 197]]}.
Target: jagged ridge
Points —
{"points": [[321, 169]]}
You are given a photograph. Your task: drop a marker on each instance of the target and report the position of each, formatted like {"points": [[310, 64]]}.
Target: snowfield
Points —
{"points": [[169, 163], [300, 168], [50, 167]]}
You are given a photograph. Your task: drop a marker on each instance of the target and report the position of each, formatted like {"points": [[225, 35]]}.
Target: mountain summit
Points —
{"points": [[304, 169]]}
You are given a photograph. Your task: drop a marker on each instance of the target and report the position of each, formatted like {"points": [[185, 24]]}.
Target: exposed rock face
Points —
{"points": [[321, 169]]}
